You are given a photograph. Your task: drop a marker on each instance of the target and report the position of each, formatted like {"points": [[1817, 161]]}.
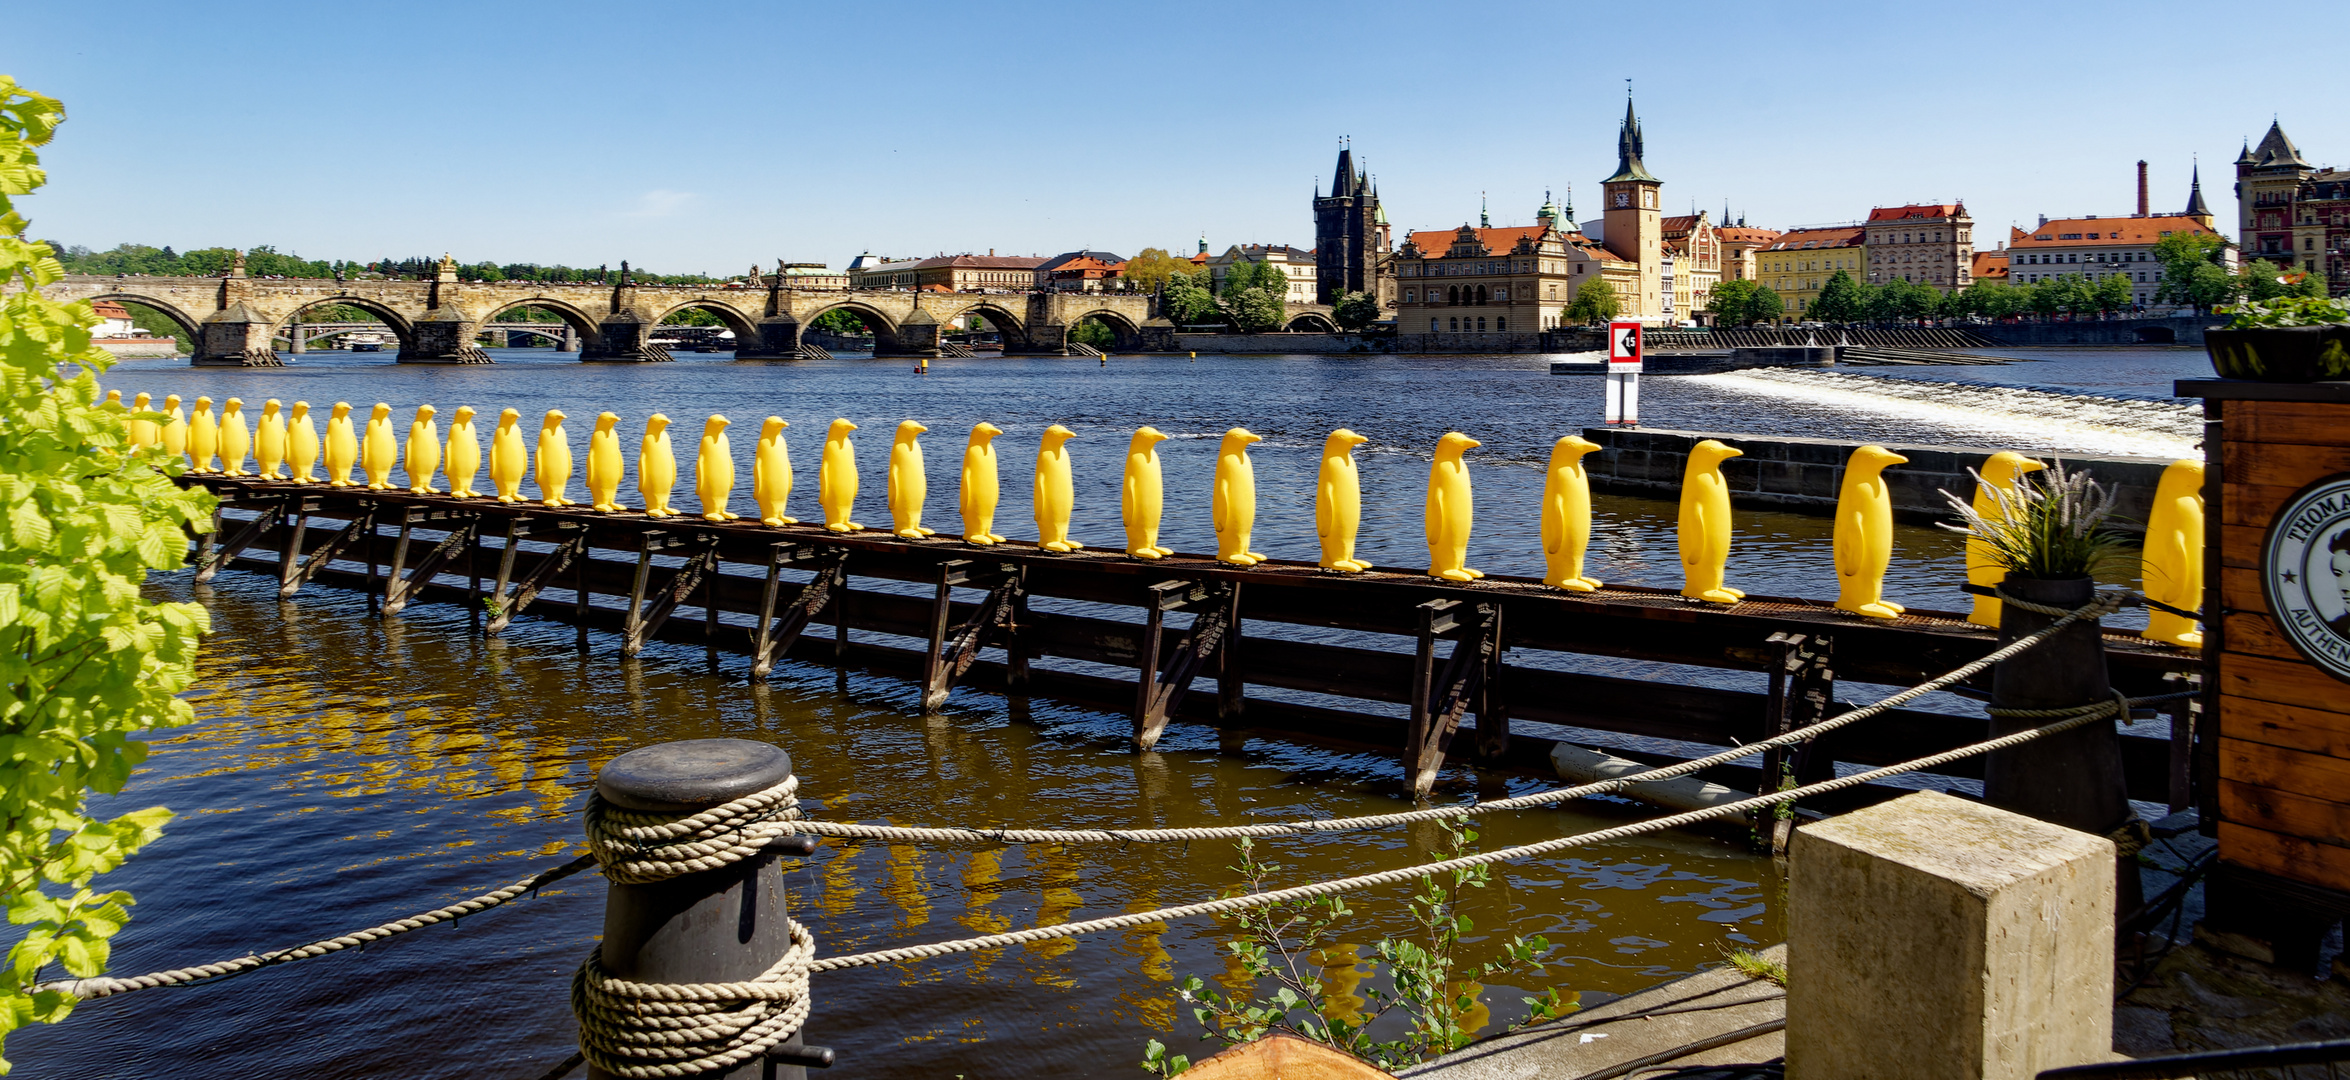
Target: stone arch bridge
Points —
{"points": [[231, 320]]}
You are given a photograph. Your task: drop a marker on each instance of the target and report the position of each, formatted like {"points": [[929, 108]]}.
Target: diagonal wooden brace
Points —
{"points": [[364, 523], [641, 627], [952, 653], [1440, 699], [398, 591], [1162, 686], [505, 608], [778, 630], [269, 516]]}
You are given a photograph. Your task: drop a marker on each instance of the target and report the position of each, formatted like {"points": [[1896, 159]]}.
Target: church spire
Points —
{"points": [[1484, 221], [1343, 182], [2195, 204], [1628, 147]]}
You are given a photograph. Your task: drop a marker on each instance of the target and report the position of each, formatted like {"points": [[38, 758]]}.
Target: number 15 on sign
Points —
{"points": [[1623, 373]]}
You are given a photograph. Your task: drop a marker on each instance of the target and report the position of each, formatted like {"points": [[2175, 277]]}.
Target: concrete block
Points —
{"points": [[1931, 937]]}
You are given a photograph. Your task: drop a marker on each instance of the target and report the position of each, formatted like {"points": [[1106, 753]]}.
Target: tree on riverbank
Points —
{"points": [[1841, 300], [1595, 302], [1151, 268], [264, 260], [1354, 311], [1255, 296], [2194, 271], [1188, 301], [88, 663]]}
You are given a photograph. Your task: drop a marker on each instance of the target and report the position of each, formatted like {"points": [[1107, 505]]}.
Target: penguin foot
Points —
{"points": [[926, 532], [775, 522], [551, 502], [1451, 575], [1874, 611], [508, 499], [1594, 583], [1257, 555], [981, 539], [731, 515], [1738, 593], [909, 534], [371, 485], [461, 494], [995, 538], [853, 526], [1242, 559], [1473, 573], [605, 508], [1356, 566], [839, 527], [1164, 552], [1143, 553], [714, 515], [1897, 609], [330, 483], [1573, 584], [1062, 546], [1715, 596]]}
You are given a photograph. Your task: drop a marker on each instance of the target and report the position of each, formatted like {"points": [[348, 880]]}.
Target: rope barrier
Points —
{"points": [[102, 986], [2088, 714], [642, 1029], [2104, 604]]}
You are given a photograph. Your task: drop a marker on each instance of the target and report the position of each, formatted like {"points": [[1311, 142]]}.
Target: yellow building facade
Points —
{"points": [[1801, 260]]}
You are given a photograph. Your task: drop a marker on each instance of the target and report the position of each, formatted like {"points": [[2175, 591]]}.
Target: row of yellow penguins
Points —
{"points": [[1863, 536]]}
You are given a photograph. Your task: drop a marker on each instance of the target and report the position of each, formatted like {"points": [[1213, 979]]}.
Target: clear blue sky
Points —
{"points": [[708, 137]]}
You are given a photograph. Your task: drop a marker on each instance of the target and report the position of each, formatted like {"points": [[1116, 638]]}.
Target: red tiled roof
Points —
{"points": [[1737, 234], [982, 262], [2117, 230], [1918, 211], [1807, 239], [1435, 242], [1990, 264], [110, 309]]}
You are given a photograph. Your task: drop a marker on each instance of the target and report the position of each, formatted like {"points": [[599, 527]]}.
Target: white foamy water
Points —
{"points": [[2027, 419]]}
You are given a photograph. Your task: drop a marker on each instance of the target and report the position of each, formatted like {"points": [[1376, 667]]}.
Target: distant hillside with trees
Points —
{"points": [[264, 260]]}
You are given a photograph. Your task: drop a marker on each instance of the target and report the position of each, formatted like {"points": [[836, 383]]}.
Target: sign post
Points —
{"points": [[1623, 373]]}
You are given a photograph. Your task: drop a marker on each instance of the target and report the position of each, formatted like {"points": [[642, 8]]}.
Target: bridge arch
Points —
{"points": [[1007, 324], [745, 331], [1312, 322], [170, 311], [580, 322], [1129, 335], [392, 320], [885, 331]]}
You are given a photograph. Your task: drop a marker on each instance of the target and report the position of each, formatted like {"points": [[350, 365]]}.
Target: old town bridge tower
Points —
{"points": [[1351, 249]]}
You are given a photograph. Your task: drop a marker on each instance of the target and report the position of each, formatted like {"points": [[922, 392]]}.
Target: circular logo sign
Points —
{"points": [[2305, 570]]}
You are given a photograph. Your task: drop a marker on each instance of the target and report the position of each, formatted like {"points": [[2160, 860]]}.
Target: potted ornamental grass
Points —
{"points": [[2043, 529], [2288, 339]]}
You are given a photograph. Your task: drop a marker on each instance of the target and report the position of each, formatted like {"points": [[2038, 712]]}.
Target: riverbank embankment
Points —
{"points": [[1807, 474]]}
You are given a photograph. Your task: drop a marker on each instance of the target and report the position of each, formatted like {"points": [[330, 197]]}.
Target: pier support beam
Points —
{"points": [[1933, 938], [234, 337], [623, 337], [778, 338], [443, 335]]}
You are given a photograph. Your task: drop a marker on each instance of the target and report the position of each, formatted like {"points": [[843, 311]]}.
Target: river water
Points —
{"points": [[346, 770]]}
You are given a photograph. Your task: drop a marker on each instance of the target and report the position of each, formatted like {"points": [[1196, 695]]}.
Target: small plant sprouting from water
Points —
{"points": [[1428, 984], [2050, 525]]}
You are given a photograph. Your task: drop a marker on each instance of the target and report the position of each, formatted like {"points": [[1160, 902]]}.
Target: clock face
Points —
{"points": [[1623, 198]]}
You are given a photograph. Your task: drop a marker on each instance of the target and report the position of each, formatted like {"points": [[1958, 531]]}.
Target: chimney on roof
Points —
{"points": [[991, 253], [2141, 187], [2043, 221]]}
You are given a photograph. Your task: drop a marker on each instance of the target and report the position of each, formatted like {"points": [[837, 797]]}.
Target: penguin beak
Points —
{"points": [[1252, 437], [1356, 440], [916, 428], [556, 414], [1895, 459], [1472, 443]]}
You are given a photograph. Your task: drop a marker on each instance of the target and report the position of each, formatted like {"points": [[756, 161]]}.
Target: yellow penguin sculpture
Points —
{"points": [[424, 451], [1705, 523], [1232, 504], [509, 459], [301, 444], [981, 485], [113, 404], [714, 471], [144, 432], [1999, 471], [553, 473], [1338, 503], [836, 478], [908, 484], [771, 473], [342, 446], [656, 467], [1142, 495], [269, 440], [203, 437], [463, 460], [236, 440], [2171, 570], [604, 467], [1451, 510], [379, 448], [173, 435], [1864, 534], [1055, 495], [1566, 516]]}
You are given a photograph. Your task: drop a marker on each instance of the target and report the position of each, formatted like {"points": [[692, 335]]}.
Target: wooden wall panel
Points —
{"points": [[2285, 465], [2286, 682], [2289, 857], [2314, 731], [2285, 812], [2318, 776]]}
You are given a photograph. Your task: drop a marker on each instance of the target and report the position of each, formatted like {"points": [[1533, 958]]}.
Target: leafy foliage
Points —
{"points": [[1595, 302], [2052, 524], [2289, 311], [1255, 296], [1152, 268], [1354, 311], [2263, 280], [264, 260], [1841, 300], [1287, 944], [85, 662], [2193, 271], [1731, 301], [1188, 301], [1094, 332]]}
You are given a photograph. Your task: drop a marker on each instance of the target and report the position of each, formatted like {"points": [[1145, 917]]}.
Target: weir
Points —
{"points": [[1448, 694]]}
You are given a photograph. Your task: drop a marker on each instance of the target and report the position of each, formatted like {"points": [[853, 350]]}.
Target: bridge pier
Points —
{"points": [[778, 338], [1044, 339], [623, 337], [294, 339], [570, 342], [442, 335], [235, 337], [917, 335]]}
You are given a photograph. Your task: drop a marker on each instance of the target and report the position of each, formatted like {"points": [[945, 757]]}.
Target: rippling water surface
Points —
{"points": [[346, 770]]}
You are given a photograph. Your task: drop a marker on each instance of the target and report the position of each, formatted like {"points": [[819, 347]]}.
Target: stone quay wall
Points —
{"points": [[1280, 343], [2175, 330], [1805, 475]]}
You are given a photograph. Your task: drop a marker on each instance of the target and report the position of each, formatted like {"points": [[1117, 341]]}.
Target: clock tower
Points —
{"points": [[1634, 231]]}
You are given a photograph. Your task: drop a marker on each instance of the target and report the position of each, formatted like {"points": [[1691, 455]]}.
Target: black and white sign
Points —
{"points": [[2305, 569]]}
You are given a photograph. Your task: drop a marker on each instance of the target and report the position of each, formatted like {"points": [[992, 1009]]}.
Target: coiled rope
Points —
{"points": [[2087, 714], [641, 1029], [2103, 604]]}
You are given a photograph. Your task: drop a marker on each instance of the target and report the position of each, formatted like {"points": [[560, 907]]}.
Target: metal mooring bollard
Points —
{"points": [[2074, 778], [714, 926]]}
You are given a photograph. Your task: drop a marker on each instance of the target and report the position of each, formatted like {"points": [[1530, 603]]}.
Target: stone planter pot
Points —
{"points": [[2284, 354]]}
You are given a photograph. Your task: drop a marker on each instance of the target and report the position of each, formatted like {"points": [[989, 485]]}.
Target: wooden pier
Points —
{"points": [[943, 601]]}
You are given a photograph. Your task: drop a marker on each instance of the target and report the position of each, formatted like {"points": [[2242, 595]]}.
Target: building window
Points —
{"points": [[1501, 324], [1431, 324], [1452, 324], [1480, 324], [1452, 295]]}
